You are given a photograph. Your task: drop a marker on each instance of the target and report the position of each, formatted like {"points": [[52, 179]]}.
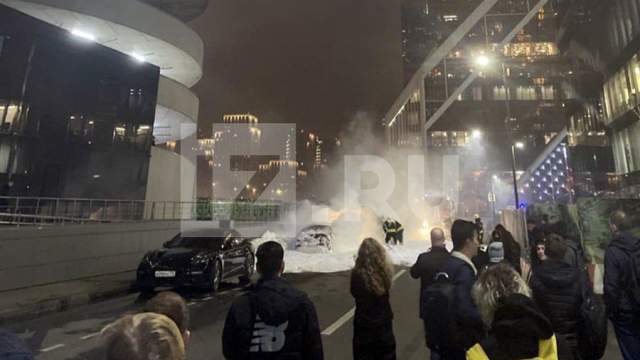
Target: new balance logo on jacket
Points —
{"points": [[268, 338], [273, 321]]}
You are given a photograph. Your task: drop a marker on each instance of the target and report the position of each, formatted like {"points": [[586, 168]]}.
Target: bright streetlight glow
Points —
{"points": [[138, 57], [83, 34], [495, 177], [476, 134], [519, 145], [483, 60]]}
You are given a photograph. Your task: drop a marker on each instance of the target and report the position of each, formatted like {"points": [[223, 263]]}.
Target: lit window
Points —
{"points": [[450, 18]]}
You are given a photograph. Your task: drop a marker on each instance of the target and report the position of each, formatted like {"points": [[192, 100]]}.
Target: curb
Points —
{"points": [[49, 306]]}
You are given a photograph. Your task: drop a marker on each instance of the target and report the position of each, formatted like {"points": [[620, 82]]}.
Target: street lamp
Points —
{"points": [[492, 197], [482, 60], [519, 145], [476, 134]]}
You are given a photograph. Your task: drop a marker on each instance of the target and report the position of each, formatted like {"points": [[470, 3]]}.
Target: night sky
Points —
{"points": [[315, 63]]}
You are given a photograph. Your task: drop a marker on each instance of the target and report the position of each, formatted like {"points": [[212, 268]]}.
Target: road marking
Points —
{"points": [[346, 317], [52, 348], [400, 273], [87, 337]]}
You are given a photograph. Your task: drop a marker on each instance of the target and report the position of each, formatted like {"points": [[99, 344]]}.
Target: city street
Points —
{"points": [[74, 334]]}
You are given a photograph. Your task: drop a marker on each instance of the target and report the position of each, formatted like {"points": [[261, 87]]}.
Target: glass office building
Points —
{"points": [[76, 117]]}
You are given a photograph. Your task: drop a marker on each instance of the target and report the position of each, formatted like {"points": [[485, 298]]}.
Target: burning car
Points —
{"points": [[315, 238]]}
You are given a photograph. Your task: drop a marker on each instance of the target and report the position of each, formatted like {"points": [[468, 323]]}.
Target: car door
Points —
{"points": [[233, 256]]}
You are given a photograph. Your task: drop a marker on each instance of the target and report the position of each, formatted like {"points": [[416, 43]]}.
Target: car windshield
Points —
{"points": [[209, 243]]}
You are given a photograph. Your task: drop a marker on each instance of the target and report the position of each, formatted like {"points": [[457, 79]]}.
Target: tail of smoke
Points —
{"points": [[415, 201]]}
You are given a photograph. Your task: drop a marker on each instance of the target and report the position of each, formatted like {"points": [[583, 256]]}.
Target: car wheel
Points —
{"points": [[215, 277], [249, 268]]}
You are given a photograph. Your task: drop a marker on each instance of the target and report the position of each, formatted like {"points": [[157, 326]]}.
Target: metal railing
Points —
{"points": [[52, 211]]}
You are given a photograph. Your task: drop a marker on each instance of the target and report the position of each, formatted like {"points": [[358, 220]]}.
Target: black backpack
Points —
{"points": [[438, 308], [592, 325]]}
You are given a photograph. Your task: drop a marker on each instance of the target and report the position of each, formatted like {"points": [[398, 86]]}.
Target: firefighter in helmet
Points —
{"points": [[480, 227], [393, 230]]}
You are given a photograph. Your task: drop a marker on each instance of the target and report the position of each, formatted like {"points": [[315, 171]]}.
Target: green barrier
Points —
{"points": [[588, 220]]}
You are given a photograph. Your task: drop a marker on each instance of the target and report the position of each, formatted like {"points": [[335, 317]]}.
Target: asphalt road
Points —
{"points": [[75, 334]]}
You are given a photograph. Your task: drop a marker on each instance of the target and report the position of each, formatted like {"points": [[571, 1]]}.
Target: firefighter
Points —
{"points": [[393, 230], [480, 227]]}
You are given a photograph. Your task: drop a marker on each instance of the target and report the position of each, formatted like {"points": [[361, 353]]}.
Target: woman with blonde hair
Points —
{"points": [[144, 336], [370, 285], [517, 328]]}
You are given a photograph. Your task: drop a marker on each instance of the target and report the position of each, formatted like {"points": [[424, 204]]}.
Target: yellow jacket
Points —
{"points": [[547, 350]]}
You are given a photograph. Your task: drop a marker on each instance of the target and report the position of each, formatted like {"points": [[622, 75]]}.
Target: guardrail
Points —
{"points": [[51, 211]]}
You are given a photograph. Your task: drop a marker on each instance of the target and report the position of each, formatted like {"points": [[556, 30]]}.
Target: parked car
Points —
{"points": [[202, 258], [315, 238]]}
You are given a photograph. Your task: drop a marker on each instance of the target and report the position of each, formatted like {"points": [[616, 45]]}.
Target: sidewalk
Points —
{"points": [[28, 303]]}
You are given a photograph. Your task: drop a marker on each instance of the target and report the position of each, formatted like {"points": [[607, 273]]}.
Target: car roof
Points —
{"points": [[317, 227], [213, 233]]}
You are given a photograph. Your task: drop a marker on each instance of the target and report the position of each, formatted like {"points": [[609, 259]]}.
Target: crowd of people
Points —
{"points": [[476, 303], [493, 304]]}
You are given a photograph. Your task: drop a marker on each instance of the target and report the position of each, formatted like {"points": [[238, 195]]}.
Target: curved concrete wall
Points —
{"points": [[178, 97], [133, 27], [165, 41]]}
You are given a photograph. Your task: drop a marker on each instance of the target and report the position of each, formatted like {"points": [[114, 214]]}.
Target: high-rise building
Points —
{"points": [[526, 91], [87, 88], [245, 156], [613, 54]]}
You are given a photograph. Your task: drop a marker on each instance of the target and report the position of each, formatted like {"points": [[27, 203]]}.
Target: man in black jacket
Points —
{"points": [[557, 289], [623, 313], [273, 320], [430, 262]]}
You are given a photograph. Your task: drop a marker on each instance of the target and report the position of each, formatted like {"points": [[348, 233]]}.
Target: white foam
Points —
{"points": [[343, 260]]}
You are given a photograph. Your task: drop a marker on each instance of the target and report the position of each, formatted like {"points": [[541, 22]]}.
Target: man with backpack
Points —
{"points": [[273, 320], [622, 284], [429, 263], [452, 321]]}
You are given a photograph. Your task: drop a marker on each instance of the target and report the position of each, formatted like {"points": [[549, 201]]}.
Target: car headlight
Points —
{"points": [[199, 261], [146, 261]]}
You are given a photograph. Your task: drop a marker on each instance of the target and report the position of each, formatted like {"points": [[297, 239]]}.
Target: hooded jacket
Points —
{"points": [[557, 290], [12, 347], [617, 277], [272, 321], [519, 331]]}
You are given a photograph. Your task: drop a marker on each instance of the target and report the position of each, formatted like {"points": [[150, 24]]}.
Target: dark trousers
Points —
{"points": [[443, 354], [377, 343], [397, 237], [628, 340]]}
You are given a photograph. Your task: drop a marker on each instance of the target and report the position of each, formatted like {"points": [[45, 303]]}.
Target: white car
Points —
{"points": [[315, 239]]}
